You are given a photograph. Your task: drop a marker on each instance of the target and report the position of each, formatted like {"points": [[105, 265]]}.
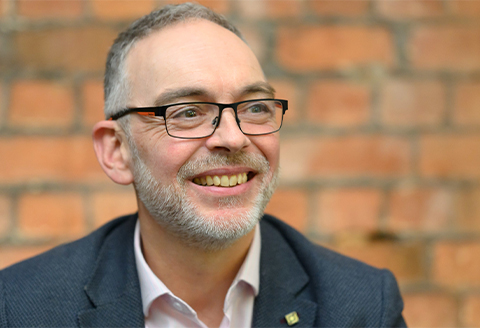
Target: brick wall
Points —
{"points": [[380, 149]]}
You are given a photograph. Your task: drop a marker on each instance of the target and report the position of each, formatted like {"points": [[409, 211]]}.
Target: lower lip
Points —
{"points": [[223, 191]]}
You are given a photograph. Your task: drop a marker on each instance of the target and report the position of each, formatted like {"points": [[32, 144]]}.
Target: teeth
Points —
{"points": [[209, 181], [223, 181]]}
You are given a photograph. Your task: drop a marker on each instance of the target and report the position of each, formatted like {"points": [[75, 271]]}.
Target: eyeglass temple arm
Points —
{"points": [[118, 115]]}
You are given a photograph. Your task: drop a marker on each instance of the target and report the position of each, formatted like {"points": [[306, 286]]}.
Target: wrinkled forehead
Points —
{"points": [[192, 53]]}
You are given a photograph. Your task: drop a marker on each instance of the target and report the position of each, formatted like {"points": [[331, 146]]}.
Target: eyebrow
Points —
{"points": [[169, 96], [258, 87]]}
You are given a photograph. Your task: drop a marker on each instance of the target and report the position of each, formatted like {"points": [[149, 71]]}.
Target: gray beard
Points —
{"points": [[170, 207]]}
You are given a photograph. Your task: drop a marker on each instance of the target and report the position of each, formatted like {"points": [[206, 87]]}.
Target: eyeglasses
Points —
{"points": [[195, 120]]}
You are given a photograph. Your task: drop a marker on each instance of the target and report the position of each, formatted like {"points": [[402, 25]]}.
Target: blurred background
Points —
{"points": [[380, 148]]}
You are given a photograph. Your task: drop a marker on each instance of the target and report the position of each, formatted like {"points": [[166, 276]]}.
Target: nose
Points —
{"points": [[228, 135]]}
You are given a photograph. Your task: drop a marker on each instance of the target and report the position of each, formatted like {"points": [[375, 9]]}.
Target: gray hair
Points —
{"points": [[116, 86]]}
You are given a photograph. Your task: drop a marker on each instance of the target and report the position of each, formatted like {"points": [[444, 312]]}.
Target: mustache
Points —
{"points": [[194, 167]]}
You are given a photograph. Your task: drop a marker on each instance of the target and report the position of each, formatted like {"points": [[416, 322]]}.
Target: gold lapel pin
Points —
{"points": [[292, 318]]}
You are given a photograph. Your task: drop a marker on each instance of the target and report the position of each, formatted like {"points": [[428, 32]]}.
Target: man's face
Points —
{"points": [[199, 61]]}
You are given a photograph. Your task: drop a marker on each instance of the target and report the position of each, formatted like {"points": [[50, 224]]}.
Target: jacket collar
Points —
{"points": [[282, 281], [115, 294]]}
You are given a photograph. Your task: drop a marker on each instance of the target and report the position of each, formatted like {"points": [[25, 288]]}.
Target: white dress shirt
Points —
{"points": [[163, 309]]}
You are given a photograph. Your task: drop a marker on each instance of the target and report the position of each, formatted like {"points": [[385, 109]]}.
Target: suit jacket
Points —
{"points": [[93, 282]]}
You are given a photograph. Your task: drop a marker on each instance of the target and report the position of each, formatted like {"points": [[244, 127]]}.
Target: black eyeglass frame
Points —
{"points": [[161, 111]]}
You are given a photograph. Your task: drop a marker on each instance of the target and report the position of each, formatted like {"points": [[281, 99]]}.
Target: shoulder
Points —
{"points": [[35, 284], [308, 253], [348, 289], [69, 256]]}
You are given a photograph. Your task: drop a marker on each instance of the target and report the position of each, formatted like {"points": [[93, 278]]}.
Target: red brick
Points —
{"points": [[338, 103], [6, 58], [256, 41], [47, 215], [14, 254], [261, 9], [219, 6], [467, 210], [467, 103], [121, 9], [50, 8], [75, 48], [5, 215], [327, 48], [92, 100], [430, 310], [451, 156], [290, 206], [420, 209], [287, 90], [3, 8], [465, 8], [412, 103], [2, 103], [344, 156], [445, 47], [37, 103], [339, 8], [348, 209], [401, 9], [457, 264], [404, 260], [49, 159], [470, 315], [110, 205]]}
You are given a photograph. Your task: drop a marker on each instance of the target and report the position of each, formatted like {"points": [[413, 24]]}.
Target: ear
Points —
{"points": [[112, 151]]}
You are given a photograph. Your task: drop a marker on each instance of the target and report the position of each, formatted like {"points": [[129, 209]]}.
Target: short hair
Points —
{"points": [[116, 84]]}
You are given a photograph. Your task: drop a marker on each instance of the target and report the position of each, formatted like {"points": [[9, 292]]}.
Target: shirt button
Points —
{"points": [[178, 306]]}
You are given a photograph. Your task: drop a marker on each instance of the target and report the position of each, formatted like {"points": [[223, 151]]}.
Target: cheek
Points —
{"points": [[269, 145], [162, 154], [168, 158]]}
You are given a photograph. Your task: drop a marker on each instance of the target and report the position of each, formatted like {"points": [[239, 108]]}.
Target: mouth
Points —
{"points": [[226, 181]]}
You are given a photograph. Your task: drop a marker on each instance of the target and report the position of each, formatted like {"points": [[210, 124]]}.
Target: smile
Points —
{"points": [[222, 181]]}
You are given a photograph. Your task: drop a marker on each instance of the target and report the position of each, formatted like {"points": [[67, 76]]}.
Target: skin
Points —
{"points": [[206, 63]]}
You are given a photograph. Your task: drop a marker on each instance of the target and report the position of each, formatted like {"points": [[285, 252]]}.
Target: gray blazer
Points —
{"points": [[93, 282]]}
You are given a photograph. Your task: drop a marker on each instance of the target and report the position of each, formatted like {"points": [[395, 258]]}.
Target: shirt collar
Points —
{"points": [[152, 287], [250, 270]]}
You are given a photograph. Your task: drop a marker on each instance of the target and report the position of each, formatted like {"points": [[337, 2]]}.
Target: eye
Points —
{"points": [[257, 108], [183, 112], [189, 113]]}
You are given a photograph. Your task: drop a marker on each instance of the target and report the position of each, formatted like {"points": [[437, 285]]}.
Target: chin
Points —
{"points": [[216, 229], [213, 232]]}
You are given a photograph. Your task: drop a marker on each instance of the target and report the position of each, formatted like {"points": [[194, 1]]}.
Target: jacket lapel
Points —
{"points": [[115, 294], [282, 282]]}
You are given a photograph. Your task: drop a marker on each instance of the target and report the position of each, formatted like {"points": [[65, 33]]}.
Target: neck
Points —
{"points": [[199, 277]]}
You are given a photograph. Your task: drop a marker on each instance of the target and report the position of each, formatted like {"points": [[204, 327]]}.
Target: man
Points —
{"points": [[193, 124]]}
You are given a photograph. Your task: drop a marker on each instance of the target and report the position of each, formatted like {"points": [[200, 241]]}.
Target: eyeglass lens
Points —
{"points": [[200, 120]]}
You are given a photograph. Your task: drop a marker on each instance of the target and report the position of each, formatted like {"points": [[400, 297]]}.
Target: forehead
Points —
{"points": [[197, 54]]}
